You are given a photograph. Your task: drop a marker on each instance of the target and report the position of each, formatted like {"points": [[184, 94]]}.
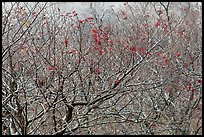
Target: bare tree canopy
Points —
{"points": [[128, 68]]}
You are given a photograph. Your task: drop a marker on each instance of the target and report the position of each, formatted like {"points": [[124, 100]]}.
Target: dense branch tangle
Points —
{"points": [[116, 72]]}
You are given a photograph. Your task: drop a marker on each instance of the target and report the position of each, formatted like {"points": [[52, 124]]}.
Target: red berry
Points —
{"points": [[73, 51], [65, 42], [51, 68], [200, 81]]}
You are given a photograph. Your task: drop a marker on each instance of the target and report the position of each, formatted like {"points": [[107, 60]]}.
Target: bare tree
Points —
{"points": [[135, 70]]}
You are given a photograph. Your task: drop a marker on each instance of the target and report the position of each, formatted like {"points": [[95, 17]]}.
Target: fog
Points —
{"points": [[83, 8]]}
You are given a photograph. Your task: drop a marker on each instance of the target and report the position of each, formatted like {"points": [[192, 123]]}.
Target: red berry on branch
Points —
{"points": [[178, 54], [65, 42], [90, 18], [143, 50], [200, 81], [51, 68], [73, 51], [189, 86], [133, 49]]}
